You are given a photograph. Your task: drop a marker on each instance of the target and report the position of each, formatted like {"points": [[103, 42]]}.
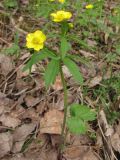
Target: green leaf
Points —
{"points": [[82, 112], [74, 70], [36, 57], [51, 72], [10, 3], [65, 46], [76, 125], [14, 49], [51, 54]]}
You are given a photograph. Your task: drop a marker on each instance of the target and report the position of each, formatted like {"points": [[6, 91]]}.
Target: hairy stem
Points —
{"points": [[65, 104]]}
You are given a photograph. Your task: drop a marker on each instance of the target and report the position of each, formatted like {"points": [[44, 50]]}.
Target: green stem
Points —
{"points": [[65, 104]]}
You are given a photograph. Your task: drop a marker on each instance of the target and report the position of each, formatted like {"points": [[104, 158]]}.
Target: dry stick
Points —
{"points": [[3, 40], [106, 140]]}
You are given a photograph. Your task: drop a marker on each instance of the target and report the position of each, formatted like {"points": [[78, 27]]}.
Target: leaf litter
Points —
{"points": [[27, 116]]}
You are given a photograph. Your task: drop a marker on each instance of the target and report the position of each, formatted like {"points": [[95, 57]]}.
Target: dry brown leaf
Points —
{"points": [[77, 140], [90, 156], [1, 109], [21, 74], [118, 126], [99, 141], [60, 102], [5, 103], [108, 129], [51, 155], [95, 81], [47, 154], [80, 153], [22, 132], [75, 152], [58, 84], [55, 140], [87, 54], [31, 101], [20, 136], [88, 71], [91, 43], [18, 146], [115, 138], [29, 114], [25, 55], [66, 72], [51, 122], [9, 121], [6, 64], [115, 141], [18, 156], [5, 143], [39, 142]]}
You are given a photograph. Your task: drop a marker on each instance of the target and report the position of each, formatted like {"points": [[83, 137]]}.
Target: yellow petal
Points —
{"points": [[30, 36], [29, 45], [38, 47]]}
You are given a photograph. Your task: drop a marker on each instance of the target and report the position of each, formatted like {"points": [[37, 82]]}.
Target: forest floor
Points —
{"points": [[29, 114]]}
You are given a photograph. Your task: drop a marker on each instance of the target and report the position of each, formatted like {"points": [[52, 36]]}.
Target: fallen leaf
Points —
{"points": [[95, 81], [5, 143], [48, 154], [18, 146], [21, 73], [5, 103], [58, 84], [90, 156], [25, 55], [51, 122], [1, 109], [91, 43], [6, 64], [74, 152], [108, 129], [87, 54], [31, 101], [66, 72], [60, 102], [23, 131], [9, 121], [18, 156], [115, 141], [78, 140], [115, 138]]}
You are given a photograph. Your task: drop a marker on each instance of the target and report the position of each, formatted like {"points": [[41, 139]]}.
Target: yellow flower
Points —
{"points": [[61, 16], [89, 6], [61, 1], [35, 40]]}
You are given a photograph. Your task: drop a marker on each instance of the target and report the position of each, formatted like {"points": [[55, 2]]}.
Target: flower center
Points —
{"points": [[36, 41]]}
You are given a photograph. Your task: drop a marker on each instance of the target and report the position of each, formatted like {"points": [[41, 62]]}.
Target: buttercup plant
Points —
{"points": [[79, 114]]}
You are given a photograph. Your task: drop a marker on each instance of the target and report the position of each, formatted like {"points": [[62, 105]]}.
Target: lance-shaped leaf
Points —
{"points": [[74, 70], [65, 46], [36, 57], [51, 72]]}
